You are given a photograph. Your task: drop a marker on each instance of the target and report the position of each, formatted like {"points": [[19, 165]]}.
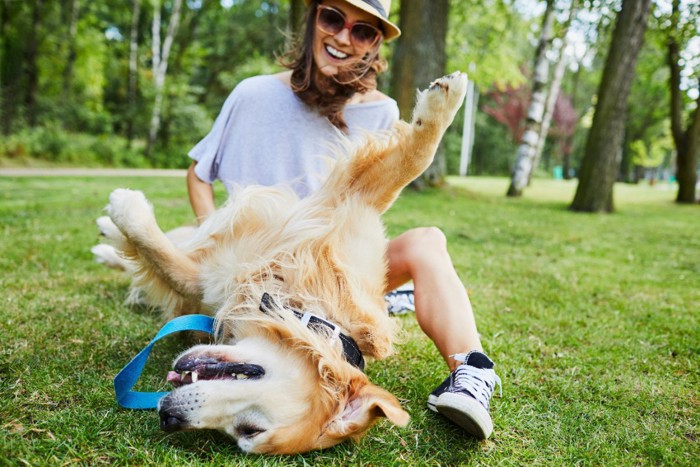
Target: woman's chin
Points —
{"points": [[329, 70]]}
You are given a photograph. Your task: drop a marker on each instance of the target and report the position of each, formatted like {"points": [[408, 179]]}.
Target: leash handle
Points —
{"points": [[129, 375]]}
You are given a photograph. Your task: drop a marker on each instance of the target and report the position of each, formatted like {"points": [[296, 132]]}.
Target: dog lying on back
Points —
{"points": [[296, 287]]}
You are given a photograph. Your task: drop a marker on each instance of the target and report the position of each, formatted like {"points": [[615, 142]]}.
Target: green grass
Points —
{"points": [[592, 320]]}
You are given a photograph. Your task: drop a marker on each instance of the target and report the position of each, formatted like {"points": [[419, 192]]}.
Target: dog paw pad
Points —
{"points": [[439, 103]]}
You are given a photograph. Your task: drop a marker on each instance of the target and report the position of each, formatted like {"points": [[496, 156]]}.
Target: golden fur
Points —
{"points": [[323, 254]]}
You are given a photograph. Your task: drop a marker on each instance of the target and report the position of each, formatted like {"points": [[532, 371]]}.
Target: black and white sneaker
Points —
{"points": [[400, 301], [465, 395]]}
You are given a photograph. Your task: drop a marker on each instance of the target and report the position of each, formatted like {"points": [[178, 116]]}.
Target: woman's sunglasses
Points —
{"points": [[332, 21]]}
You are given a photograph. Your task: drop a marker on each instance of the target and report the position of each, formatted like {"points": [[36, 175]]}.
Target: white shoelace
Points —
{"points": [[480, 382]]}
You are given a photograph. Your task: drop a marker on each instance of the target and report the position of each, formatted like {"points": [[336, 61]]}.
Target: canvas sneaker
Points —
{"points": [[400, 301], [465, 395]]}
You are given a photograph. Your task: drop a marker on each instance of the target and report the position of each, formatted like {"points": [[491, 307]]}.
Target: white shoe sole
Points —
{"points": [[465, 412], [432, 400]]}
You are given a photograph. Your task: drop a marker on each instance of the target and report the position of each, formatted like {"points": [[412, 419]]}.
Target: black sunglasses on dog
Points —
{"points": [[332, 21]]}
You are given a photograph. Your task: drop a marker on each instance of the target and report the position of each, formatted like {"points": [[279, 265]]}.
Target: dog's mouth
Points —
{"points": [[189, 370]]}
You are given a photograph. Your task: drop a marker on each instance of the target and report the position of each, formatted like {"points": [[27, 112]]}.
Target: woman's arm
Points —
{"points": [[201, 195]]}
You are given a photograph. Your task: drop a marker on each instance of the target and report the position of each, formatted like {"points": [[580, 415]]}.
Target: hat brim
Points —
{"points": [[391, 31]]}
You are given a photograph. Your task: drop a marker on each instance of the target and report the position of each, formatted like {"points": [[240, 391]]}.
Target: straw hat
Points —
{"points": [[379, 9]]}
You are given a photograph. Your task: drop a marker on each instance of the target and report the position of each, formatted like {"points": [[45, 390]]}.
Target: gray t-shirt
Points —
{"points": [[265, 135]]}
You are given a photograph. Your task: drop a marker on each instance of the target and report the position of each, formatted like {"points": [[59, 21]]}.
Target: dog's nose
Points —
{"points": [[170, 418], [170, 422]]}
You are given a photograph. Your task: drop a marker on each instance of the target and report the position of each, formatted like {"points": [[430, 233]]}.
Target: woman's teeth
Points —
{"points": [[336, 53]]}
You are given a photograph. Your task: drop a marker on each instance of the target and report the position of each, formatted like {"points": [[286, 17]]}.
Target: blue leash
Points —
{"points": [[127, 378]]}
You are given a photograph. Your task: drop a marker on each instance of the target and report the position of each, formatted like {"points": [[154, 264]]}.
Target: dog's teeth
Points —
{"points": [[195, 376], [241, 376]]}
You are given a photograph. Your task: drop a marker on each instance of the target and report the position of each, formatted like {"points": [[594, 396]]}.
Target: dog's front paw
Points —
{"points": [[129, 209], [438, 104]]}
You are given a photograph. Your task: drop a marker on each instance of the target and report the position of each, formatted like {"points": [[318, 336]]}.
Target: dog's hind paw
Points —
{"points": [[108, 229], [438, 104], [107, 255]]}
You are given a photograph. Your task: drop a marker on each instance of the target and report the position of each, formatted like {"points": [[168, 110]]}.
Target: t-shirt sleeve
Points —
{"points": [[391, 116], [208, 149]]}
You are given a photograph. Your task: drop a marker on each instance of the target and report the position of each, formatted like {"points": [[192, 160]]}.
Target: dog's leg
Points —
{"points": [[161, 268], [379, 170]]}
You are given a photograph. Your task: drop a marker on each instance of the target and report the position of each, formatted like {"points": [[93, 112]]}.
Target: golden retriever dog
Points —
{"points": [[270, 267]]}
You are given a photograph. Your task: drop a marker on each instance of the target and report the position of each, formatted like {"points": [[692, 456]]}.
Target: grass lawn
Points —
{"points": [[592, 320]]}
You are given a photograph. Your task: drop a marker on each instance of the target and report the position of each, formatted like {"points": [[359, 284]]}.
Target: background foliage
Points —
{"points": [[64, 76]]}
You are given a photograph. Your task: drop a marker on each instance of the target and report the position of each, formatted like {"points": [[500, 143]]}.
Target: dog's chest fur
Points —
{"points": [[321, 259]]}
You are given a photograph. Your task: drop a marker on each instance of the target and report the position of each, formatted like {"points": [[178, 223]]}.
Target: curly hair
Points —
{"points": [[329, 94]]}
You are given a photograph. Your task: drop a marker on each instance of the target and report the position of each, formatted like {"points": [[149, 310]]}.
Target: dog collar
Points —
{"points": [[351, 351]]}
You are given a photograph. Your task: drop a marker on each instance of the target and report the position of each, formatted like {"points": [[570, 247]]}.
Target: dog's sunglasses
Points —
{"points": [[333, 21]]}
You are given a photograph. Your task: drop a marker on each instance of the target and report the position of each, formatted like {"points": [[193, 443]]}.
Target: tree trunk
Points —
{"points": [[471, 105], [160, 66], [552, 96], [133, 71], [526, 151], [31, 68], [599, 165], [687, 159], [419, 58], [296, 16], [5, 115], [12, 55], [72, 54], [687, 141], [552, 93]]}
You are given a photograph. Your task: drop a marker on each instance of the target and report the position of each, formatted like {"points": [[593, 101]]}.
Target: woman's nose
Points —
{"points": [[343, 37]]}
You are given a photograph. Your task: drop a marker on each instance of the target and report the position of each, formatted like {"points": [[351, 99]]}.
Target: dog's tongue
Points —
{"points": [[174, 377]]}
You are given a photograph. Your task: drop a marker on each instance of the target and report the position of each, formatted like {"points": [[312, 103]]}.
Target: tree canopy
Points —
{"points": [[79, 85]]}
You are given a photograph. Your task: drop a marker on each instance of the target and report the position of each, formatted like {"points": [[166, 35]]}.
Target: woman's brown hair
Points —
{"points": [[329, 94]]}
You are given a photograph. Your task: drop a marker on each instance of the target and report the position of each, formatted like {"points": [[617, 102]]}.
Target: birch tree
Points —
{"points": [[526, 151], [160, 64], [598, 171], [553, 92]]}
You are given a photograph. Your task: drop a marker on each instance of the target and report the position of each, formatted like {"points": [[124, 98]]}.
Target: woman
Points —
{"points": [[272, 130]]}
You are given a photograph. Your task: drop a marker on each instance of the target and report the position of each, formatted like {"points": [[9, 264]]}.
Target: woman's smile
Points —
{"points": [[333, 51]]}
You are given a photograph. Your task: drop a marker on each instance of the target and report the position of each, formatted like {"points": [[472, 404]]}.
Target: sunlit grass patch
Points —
{"points": [[592, 321]]}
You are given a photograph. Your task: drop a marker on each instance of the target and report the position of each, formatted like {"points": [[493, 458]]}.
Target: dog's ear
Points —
{"points": [[366, 404], [382, 403]]}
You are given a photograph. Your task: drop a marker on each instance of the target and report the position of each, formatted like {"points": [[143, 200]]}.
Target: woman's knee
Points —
{"points": [[416, 251], [423, 243]]}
